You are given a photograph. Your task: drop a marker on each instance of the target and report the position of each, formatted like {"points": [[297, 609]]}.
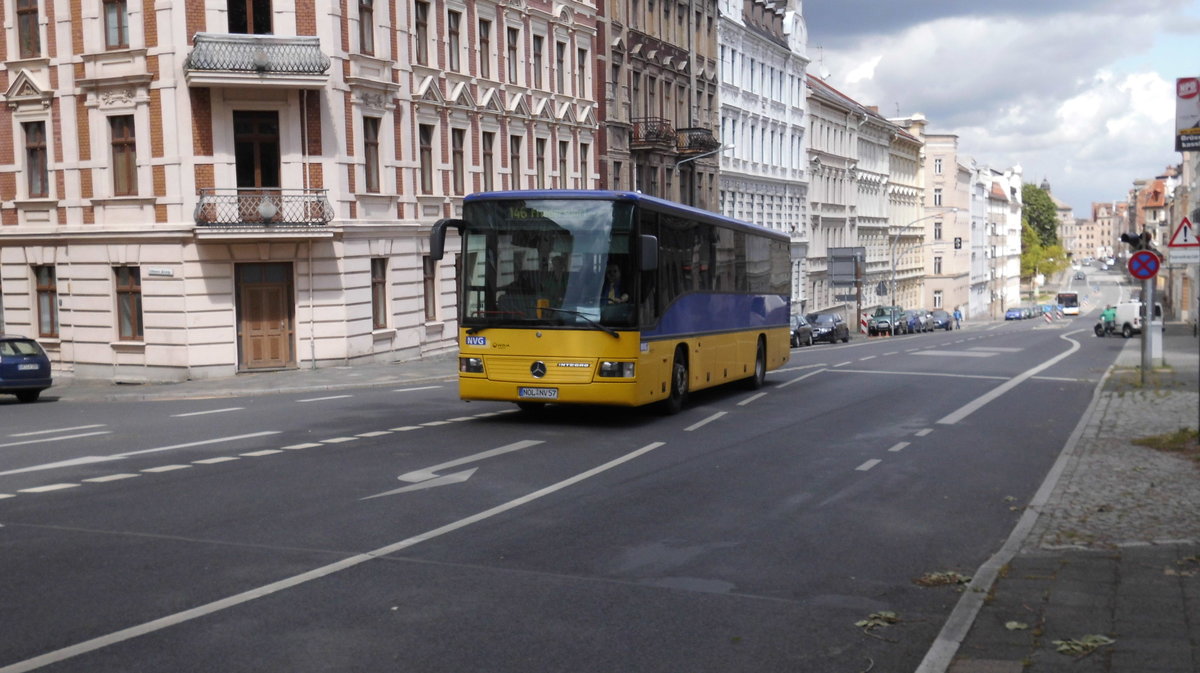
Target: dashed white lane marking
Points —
{"points": [[47, 488], [167, 468], [843, 364], [377, 433], [306, 445], [898, 447], [868, 465], [264, 452], [869, 357], [800, 378], [432, 424], [112, 477], [338, 440], [704, 422], [50, 432], [923, 432], [56, 439], [958, 354], [218, 459], [750, 399], [204, 413], [409, 390], [406, 428], [998, 349], [322, 399]]}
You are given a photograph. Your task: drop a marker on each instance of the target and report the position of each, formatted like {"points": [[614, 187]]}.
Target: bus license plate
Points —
{"points": [[538, 393]]}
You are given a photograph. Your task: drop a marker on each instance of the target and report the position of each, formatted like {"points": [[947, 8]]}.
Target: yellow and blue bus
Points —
{"points": [[600, 297]]}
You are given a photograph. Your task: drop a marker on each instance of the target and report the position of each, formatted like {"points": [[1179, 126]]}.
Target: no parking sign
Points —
{"points": [[1144, 264]]}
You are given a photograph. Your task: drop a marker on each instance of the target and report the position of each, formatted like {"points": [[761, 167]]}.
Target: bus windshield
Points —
{"points": [[547, 262], [1069, 301]]}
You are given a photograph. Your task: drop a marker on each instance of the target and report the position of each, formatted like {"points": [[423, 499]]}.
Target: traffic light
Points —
{"points": [[958, 242], [1137, 241]]}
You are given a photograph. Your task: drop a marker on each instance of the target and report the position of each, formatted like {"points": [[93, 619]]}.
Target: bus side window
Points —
{"points": [[649, 308]]}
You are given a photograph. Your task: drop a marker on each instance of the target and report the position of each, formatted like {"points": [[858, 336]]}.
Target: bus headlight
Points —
{"points": [[470, 365], [622, 370]]}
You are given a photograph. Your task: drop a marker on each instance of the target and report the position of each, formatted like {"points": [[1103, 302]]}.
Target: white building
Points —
{"points": [[763, 122]]}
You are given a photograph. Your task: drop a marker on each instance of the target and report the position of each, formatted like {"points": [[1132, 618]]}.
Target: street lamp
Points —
{"points": [[896, 240]]}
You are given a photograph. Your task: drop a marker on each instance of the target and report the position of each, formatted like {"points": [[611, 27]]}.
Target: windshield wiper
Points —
{"points": [[607, 330]]}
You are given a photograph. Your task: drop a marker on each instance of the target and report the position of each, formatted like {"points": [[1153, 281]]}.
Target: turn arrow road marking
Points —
{"points": [[428, 477]]}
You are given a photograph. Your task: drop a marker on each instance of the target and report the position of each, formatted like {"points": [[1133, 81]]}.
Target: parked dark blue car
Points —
{"points": [[24, 368]]}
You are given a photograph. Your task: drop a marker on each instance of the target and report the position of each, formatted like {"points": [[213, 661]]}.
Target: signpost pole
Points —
{"points": [[858, 281], [1148, 307]]}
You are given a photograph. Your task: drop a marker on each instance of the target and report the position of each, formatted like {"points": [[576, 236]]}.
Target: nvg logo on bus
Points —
{"points": [[476, 341]]}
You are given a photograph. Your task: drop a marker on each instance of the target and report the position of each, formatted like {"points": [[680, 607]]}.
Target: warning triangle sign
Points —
{"points": [[1184, 236]]}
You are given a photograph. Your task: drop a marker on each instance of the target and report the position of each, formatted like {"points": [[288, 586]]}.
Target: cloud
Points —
{"points": [[1056, 87]]}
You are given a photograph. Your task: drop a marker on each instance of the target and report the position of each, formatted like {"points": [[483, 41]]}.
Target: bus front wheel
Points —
{"points": [[679, 385]]}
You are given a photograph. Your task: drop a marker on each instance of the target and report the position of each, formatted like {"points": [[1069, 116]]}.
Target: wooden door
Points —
{"points": [[265, 321]]}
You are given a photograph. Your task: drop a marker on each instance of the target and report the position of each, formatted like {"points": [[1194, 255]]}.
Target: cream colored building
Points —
{"points": [[196, 189]]}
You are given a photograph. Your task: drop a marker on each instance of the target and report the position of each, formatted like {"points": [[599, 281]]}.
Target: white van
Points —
{"points": [[1130, 315]]}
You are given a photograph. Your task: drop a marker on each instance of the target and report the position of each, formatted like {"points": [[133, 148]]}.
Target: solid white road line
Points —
{"points": [[979, 402], [324, 571], [322, 399], [202, 442], [55, 439], [800, 378]]}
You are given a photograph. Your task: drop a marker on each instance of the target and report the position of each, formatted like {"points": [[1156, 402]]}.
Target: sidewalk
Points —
{"points": [[1106, 561], [441, 367]]}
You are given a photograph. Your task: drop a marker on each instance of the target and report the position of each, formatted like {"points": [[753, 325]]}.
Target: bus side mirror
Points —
{"points": [[649, 249], [437, 236]]}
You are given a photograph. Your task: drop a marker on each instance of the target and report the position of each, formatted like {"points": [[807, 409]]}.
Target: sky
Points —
{"points": [[1077, 92]]}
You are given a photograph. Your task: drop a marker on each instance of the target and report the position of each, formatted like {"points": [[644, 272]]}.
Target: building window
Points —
{"points": [[937, 299], [421, 22], [429, 267], [937, 230], [37, 171], [28, 35], [537, 61], [937, 166], [366, 26], [489, 159], [937, 196], [379, 312], [457, 141], [581, 60], [250, 17], [116, 25], [937, 266], [540, 160], [129, 302], [514, 160], [47, 298], [584, 166], [513, 36], [485, 48], [563, 152], [453, 23], [124, 155], [426, 139], [371, 153], [560, 66]]}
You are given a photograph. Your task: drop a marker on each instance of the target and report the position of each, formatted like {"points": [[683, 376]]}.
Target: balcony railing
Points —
{"points": [[219, 58], [263, 207], [652, 132], [695, 141]]}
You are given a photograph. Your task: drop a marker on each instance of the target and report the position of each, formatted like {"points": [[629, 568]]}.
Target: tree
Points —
{"points": [[1038, 258], [1038, 211]]}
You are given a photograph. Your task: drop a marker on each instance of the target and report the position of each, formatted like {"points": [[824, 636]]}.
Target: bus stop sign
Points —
{"points": [[1143, 264]]}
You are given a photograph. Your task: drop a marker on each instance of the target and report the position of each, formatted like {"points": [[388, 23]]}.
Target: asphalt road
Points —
{"points": [[402, 529]]}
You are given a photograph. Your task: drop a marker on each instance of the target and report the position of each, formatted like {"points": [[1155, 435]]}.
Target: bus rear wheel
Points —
{"points": [[679, 385], [759, 377]]}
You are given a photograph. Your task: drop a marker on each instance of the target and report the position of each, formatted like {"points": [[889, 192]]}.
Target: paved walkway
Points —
{"points": [[1106, 563]]}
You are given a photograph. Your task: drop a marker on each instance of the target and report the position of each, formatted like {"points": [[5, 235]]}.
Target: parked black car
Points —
{"points": [[941, 319], [829, 327], [24, 368], [802, 331]]}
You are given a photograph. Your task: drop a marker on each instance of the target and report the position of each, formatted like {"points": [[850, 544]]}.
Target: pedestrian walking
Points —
{"points": [[957, 318]]}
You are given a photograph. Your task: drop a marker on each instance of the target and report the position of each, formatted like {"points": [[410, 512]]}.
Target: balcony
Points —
{"points": [[238, 60], [652, 133], [264, 211], [695, 141]]}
